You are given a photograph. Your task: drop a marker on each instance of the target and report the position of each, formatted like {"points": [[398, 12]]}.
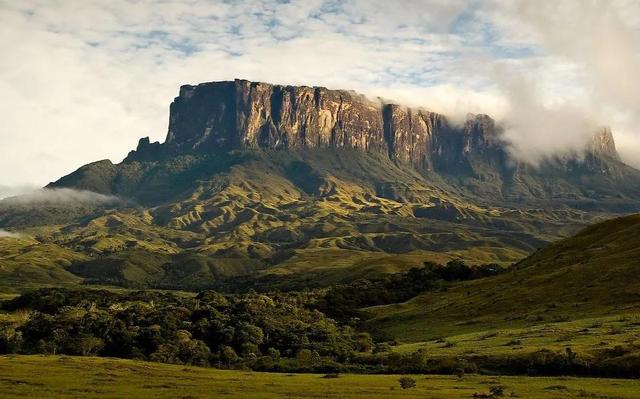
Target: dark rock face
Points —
{"points": [[223, 116], [146, 150], [412, 135]]}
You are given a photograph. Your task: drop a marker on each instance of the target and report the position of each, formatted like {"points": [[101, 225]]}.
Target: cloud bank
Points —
{"points": [[12, 191], [583, 77], [84, 80], [61, 196]]}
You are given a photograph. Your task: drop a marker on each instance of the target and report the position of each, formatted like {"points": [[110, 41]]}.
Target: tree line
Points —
{"points": [[298, 331]]}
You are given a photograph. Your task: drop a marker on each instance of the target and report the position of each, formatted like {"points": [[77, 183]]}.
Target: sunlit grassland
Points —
{"points": [[593, 274], [71, 377], [321, 216], [584, 337]]}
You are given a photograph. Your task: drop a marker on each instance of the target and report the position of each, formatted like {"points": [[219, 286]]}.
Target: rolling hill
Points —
{"points": [[589, 275]]}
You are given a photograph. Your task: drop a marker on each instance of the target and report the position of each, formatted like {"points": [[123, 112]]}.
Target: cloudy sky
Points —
{"points": [[83, 80]]}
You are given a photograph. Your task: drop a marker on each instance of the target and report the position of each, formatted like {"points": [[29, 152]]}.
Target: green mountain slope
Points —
{"points": [[321, 216], [592, 274], [26, 263]]}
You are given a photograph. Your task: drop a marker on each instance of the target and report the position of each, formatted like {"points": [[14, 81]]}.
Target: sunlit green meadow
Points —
{"points": [[73, 377]]}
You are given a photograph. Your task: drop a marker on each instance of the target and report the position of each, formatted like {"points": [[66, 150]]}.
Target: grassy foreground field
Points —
{"points": [[74, 377]]}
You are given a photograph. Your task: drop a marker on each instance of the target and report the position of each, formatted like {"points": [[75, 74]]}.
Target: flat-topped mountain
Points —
{"points": [[300, 183], [224, 116], [219, 117]]}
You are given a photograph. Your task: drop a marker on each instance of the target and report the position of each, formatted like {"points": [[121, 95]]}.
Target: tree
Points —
{"points": [[165, 353], [229, 355], [273, 354], [59, 339], [315, 358], [417, 360], [250, 334], [194, 351], [10, 339], [249, 349], [175, 329], [304, 357], [382, 347], [364, 342], [89, 346]]}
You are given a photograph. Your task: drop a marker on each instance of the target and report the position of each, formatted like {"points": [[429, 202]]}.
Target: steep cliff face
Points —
{"points": [[223, 116], [241, 114], [218, 117], [603, 143]]}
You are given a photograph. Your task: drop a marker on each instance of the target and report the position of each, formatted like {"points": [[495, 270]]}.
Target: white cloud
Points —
{"points": [[8, 234], [12, 191], [60, 196], [592, 54], [82, 81]]}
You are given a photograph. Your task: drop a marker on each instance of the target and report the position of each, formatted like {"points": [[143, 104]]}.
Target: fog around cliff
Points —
{"points": [[86, 79], [591, 50]]}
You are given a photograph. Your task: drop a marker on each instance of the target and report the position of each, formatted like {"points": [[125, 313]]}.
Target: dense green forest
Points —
{"points": [[301, 331]]}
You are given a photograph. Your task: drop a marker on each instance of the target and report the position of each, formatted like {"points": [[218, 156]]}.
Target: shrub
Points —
{"points": [[496, 391], [364, 343], [407, 382], [382, 347]]}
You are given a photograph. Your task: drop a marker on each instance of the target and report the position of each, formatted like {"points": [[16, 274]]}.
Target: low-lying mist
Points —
{"points": [[61, 196], [12, 191], [8, 234]]}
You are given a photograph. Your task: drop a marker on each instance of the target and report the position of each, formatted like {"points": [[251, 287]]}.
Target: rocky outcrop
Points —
{"points": [[603, 143], [146, 150], [223, 116]]}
